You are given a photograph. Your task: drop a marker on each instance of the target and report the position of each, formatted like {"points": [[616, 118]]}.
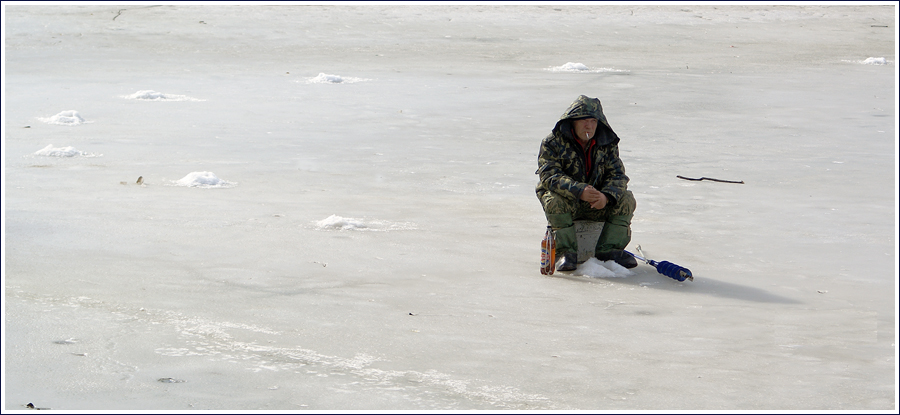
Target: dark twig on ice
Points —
{"points": [[708, 178], [122, 10]]}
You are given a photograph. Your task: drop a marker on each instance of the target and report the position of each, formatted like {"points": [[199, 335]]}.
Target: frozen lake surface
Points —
{"points": [[335, 208]]}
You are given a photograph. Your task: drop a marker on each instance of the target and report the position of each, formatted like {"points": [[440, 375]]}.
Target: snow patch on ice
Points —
{"points": [[203, 179], [338, 222], [69, 118], [335, 222], [70, 151], [324, 78], [594, 268], [869, 61], [580, 67], [875, 61], [571, 67], [149, 95]]}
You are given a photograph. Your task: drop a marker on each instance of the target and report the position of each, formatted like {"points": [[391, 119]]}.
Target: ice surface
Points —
{"points": [[150, 95], [323, 78], [68, 151], [157, 297]]}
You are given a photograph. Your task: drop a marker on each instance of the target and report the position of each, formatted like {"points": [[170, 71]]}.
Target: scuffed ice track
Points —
{"points": [[251, 348]]}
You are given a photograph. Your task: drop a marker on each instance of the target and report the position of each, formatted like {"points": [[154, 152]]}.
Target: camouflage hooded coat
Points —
{"points": [[564, 166]]}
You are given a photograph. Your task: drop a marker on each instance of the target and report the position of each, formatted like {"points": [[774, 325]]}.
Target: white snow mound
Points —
{"points": [[875, 61], [69, 118], [150, 95], [203, 179], [594, 268], [70, 151], [335, 222], [338, 222], [580, 67], [324, 78], [869, 61], [572, 67]]}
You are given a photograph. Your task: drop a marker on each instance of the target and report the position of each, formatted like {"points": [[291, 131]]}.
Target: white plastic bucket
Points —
{"points": [[586, 233]]}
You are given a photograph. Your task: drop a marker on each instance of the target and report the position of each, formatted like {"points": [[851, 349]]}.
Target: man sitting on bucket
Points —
{"points": [[582, 178]]}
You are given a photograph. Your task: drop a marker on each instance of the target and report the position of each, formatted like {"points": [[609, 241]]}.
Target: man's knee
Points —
{"points": [[555, 204], [626, 205]]}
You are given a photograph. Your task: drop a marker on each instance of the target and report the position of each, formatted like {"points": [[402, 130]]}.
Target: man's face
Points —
{"points": [[584, 128]]}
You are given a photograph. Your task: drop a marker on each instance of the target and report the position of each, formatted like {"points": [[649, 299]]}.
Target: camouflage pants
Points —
{"points": [[561, 213]]}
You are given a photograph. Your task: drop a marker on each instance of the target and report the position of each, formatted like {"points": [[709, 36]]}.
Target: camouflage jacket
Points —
{"points": [[561, 160]]}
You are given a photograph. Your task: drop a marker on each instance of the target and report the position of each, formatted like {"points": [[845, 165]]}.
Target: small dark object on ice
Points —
{"points": [[709, 178], [140, 180], [31, 406]]}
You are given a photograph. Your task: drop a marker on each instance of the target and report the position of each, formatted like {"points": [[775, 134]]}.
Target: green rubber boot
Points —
{"points": [[564, 228], [614, 237], [566, 241], [616, 234]]}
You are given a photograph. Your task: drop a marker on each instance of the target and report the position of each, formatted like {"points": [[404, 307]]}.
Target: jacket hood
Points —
{"points": [[586, 107]]}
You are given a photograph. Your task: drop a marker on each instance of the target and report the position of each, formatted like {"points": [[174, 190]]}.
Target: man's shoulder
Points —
{"points": [[553, 139]]}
